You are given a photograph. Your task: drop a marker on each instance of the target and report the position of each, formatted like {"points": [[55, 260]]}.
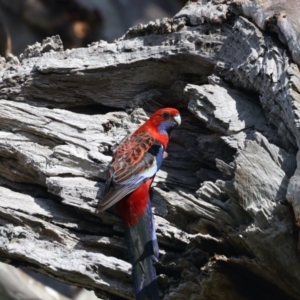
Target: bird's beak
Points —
{"points": [[177, 119]]}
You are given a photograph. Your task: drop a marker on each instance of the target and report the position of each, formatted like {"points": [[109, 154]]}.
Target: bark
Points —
{"points": [[16, 285], [226, 198]]}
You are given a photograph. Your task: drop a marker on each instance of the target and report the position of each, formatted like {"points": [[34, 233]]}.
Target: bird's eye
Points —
{"points": [[166, 115]]}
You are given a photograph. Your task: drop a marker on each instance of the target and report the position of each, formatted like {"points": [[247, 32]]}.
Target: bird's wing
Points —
{"points": [[136, 159]]}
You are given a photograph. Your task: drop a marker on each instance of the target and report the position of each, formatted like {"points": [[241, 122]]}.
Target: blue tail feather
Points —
{"points": [[143, 251], [152, 228]]}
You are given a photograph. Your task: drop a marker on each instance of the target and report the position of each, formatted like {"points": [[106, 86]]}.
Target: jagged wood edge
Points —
{"points": [[187, 47]]}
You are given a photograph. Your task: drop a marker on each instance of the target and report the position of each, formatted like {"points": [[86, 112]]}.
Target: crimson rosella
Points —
{"points": [[130, 174]]}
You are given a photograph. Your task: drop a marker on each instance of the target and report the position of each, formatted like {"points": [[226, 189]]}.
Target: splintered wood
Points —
{"points": [[220, 200]]}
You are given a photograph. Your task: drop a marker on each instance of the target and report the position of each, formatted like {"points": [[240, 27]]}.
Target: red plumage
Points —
{"points": [[133, 206], [135, 158], [130, 175]]}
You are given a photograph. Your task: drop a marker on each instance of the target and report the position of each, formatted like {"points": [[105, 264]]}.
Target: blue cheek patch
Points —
{"points": [[165, 127]]}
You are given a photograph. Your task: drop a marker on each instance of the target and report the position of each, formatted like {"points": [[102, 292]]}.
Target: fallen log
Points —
{"points": [[225, 200]]}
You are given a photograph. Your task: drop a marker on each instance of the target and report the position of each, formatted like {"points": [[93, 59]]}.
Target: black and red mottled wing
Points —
{"points": [[136, 159]]}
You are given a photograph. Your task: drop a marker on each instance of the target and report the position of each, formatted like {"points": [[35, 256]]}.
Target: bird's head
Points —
{"points": [[165, 119]]}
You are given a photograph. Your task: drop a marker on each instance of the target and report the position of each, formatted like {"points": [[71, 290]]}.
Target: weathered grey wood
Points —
{"points": [[17, 285], [280, 17], [86, 295], [220, 205]]}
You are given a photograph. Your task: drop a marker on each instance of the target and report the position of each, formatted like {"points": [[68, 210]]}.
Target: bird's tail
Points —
{"points": [[143, 251]]}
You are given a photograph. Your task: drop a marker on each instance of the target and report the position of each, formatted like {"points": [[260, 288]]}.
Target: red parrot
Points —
{"points": [[130, 174]]}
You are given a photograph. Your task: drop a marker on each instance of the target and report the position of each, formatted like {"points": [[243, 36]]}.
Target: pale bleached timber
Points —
{"points": [[224, 225]]}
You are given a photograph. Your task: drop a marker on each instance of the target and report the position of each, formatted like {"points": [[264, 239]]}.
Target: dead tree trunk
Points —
{"points": [[225, 201]]}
